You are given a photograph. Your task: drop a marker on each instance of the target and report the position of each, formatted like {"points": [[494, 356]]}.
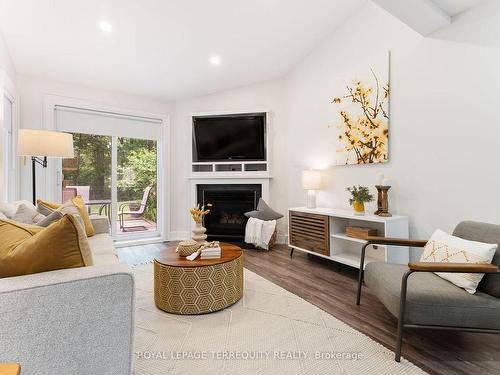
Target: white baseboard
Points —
{"points": [[282, 238], [140, 241], [180, 235]]}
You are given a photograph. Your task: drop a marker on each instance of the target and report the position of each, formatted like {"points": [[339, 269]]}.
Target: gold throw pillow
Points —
{"points": [[80, 204], [27, 249]]}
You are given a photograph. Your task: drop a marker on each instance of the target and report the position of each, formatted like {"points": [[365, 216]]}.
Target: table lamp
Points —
{"points": [[43, 144], [311, 181]]}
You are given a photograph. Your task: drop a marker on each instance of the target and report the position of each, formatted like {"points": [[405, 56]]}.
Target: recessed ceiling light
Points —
{"points": [[215, 60], [105, 26]]}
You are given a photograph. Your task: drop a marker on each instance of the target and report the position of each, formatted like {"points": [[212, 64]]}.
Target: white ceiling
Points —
{"points": [[162, 48], [479, 26], [428, 16], [454, 7]]}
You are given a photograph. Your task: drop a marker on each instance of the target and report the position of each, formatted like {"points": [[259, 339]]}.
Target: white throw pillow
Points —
{"points": [[10, 209], [2, 216], [67, 207], [70, 209], [445, 248], [49, 219], [27, 215]]}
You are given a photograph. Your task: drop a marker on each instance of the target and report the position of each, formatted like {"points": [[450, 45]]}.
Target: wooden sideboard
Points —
{"points": [[321, 231]]}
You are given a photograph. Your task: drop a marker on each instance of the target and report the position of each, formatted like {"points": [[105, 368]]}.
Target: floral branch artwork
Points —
{"points": [[364, 127]]}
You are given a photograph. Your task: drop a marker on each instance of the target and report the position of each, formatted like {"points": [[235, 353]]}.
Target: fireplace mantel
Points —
{"points": [[193, 182]]}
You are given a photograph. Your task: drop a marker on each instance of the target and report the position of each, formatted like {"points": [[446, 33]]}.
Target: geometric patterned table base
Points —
{"points": [[198, 290]]}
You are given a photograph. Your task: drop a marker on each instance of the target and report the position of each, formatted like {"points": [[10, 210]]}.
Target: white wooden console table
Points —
{"points": [[321, 231]]}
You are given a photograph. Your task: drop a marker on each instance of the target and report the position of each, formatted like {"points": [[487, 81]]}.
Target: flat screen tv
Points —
{"points": [[229, 138]]}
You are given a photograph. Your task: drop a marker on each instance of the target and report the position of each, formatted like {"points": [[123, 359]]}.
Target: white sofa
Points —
{"points": [[74, 321]]}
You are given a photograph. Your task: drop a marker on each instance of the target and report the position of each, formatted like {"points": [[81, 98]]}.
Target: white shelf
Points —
{"points": [[227, 162], [352, 259], [229, 175], [348, 214], [343, 236]]}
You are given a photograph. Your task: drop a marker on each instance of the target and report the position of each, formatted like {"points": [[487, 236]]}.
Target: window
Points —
{"points": [[115, 168]]}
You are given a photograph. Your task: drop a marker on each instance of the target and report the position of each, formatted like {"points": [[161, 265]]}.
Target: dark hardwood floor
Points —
{"points": [[332, 287]]}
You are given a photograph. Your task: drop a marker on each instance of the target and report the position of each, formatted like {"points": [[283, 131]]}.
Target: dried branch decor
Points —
{"points": [[197, 213]]}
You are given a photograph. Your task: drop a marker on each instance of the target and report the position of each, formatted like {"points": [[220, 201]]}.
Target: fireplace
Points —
{"points": [[226, 221]]}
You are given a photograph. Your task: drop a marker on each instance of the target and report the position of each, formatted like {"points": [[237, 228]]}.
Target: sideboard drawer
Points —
{"points": [[309, 232]]}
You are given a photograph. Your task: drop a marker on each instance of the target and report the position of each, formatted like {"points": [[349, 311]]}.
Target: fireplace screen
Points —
{"points": [[226, 221]]}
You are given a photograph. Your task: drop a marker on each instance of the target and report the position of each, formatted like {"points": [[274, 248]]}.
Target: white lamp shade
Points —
{"points": [[32, 142], [311, 180]]}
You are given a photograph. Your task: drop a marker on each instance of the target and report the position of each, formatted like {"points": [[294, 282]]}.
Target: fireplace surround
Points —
{"points": [[226, 221]]}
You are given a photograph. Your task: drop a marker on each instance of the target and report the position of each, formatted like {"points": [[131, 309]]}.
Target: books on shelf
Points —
{"points": [[360, 232]]}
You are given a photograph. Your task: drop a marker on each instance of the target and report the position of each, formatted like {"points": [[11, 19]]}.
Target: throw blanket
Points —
{"points": [[259, 232]]}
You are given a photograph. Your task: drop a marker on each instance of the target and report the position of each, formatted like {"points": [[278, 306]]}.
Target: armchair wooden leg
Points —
{"points": [[291, 252], [402, 307], [361, 273]]}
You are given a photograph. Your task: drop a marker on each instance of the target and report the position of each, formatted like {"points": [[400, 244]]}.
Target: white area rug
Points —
{"points": [[269, 331]]}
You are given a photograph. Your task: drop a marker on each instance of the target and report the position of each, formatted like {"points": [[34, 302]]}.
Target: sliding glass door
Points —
{"points": [[115, 174], [88, 174], [137, 180]]}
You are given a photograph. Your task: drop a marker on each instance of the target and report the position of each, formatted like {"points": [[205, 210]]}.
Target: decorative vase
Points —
{"points": [[199, 233], [383, 201], [359, 207]]}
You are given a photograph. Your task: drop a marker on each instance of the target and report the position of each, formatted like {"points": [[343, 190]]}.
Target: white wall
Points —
{"points": [[33, 92], [6, 63], [444, 138], [444, 124], [7, 84], [260, 97]]}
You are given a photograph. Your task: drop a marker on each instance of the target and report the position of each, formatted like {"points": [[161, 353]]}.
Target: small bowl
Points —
{"points": [[186, 248]]}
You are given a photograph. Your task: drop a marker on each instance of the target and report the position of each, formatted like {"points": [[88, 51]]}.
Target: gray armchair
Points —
{"points": [[421, 299]]}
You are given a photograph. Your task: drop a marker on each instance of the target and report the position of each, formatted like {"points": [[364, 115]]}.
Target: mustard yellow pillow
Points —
{"points": [[27, 249], [80, 204], [48, 207]]}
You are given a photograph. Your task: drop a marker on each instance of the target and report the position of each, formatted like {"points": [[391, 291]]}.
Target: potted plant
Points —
{"points": [[359, 196]]}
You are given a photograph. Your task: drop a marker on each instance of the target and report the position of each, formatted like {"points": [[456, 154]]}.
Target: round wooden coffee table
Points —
{"points": [[200, 286]]}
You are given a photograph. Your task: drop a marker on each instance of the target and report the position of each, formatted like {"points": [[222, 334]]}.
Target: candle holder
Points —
{"points": [[383, 201]]}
